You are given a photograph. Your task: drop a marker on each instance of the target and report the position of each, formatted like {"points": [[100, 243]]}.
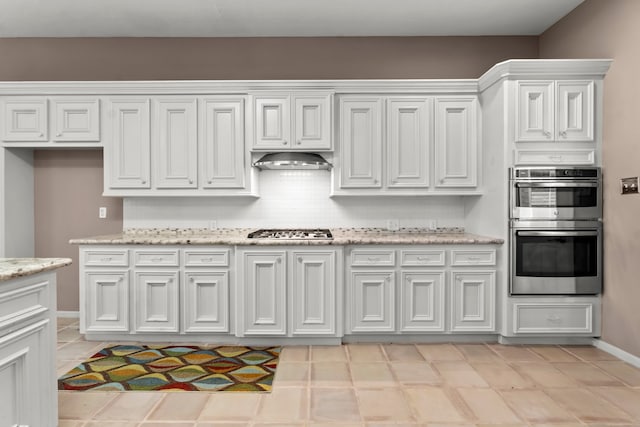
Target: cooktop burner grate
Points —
{"points": [[297, 234]]}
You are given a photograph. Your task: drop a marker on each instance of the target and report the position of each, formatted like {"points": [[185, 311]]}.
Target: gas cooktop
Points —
{"points": [[297, 234]]}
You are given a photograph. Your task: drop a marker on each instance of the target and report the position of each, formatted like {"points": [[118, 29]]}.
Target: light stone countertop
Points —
{"points": [[238, 236], [10, 268]]}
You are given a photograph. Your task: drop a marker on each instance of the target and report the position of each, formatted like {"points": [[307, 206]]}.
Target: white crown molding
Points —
{"points": [[206, 87], [511, 69], [544, 69]]}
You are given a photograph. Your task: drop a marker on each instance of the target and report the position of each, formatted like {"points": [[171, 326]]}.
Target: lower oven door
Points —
{"points": [[553, 260]]}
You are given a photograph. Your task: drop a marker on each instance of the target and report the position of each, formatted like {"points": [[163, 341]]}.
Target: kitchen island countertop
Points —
{"points": [[10, 268], [238, 236]]}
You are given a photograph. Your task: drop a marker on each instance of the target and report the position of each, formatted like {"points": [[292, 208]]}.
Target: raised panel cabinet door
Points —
{"points": [[535, 117], [156, 301], [575, 112], [272, 122], [456, 142], [222, 143], [127, 149], [25, 119], [76, 120], [408, 142], [313, 293], [372, 305], [107, 301], [175, 143], [27, 381], [422, 301], [312, 124], [361, 142], [473, 301], [262, 293], [206, 301]]}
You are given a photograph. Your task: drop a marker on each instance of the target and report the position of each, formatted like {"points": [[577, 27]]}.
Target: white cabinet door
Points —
{"points": [[372, 301], [206, 301], [312, 122], [127, 149], [106, 301], [574, 115], [175, 143], [222, 143], [272, 122], [360, 142], [422, 301], [262, 293], [313, 292], [535, 120], [473, 301], [26, 381], [25, 119], [456, 140], [156, 301], [76, 120], [408, 142]]}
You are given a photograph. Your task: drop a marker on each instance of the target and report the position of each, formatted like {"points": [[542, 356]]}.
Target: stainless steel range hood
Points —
{"points": [[292, 160]]}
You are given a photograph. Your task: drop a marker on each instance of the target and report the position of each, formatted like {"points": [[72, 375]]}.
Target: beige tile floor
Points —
{"points": [[367, 385]]}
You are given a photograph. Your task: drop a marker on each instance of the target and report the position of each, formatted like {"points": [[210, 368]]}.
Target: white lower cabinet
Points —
{"points": [[372, 301], [205, 305], [473, 300], [28, 394], [553, 316], [288, 292], [412, 297], [156, 296], [106, 301]]}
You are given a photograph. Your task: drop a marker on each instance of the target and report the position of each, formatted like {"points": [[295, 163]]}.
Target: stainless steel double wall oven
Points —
{"points": [[555, 231]]}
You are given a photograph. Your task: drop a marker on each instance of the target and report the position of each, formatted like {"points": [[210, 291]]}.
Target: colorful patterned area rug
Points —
{"points": [[175, 368]]}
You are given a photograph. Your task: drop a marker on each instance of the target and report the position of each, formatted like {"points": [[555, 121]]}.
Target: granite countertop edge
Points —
{"points": [[11, 268], [342, 237]]}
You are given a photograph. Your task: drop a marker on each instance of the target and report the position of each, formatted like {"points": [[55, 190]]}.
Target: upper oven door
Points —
{"points": [[556, 200]]}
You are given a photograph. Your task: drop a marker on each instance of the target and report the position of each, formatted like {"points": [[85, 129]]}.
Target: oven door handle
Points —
{"points": [[557, 184], [555, 233]]}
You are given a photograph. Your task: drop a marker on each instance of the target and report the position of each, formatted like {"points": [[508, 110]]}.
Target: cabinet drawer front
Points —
{"points": [[213, 258], [366, 257], [460, 257], [156, 258], [101, 258], [553, 318], [422, 257], [23, 303], [559, 157]]}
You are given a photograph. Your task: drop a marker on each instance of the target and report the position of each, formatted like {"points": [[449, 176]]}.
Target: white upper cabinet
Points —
{"points": [[175, 143], [25, 119], [408, 142], [75, 120], [127, 153], [423, 138], [549, 110], [312, 124], [222, 151], [456, 142], [292, 121], [272, 122], [40, 122], [360, 142]]}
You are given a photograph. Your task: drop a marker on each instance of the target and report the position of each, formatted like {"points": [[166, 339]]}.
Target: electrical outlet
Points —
{"points": [[213, 224], [432, 224], [629, 185], [102, 212], [393, 225]]}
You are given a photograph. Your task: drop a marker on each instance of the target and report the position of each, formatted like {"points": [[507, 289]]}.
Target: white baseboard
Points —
{"points": [[618, 352], [73, 314]]}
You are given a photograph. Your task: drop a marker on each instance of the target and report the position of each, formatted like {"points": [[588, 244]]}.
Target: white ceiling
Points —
{"points": [[295, 18]]}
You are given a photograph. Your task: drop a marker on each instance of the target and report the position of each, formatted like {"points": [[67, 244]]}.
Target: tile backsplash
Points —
{"points": [[296, 198]]}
